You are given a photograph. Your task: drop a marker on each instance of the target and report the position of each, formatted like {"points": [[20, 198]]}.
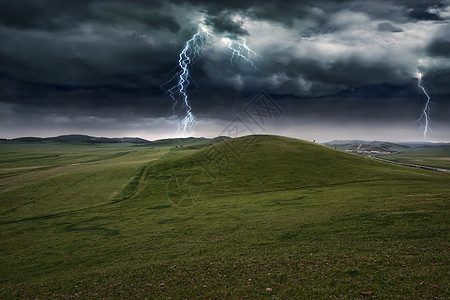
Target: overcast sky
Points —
{"points": [[324, 69]]}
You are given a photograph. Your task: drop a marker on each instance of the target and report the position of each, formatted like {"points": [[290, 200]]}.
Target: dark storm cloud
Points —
{"points": [[54, 15], [130, 15], [440, 45], [420, 14], [97, 57], [131, 44], [40, 15], [287, 11], [388, 27], [421, 10], [225, 25], [100, 43]]}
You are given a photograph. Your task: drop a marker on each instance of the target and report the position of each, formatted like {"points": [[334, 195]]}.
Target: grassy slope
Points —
{"points": [[46, 179], [229, 220], [438, 156]]}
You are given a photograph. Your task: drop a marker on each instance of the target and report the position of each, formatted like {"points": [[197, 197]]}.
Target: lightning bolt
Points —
{"points": [[424, 119], [180, 81], [192, 50], [240, 50]]}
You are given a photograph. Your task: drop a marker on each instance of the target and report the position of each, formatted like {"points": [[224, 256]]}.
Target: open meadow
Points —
{"points": [[438, 156], [252, 217]]}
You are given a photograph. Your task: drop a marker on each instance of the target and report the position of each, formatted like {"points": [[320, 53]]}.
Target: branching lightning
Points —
{"points": [[240, 50], [193, 49], [424, 119]]}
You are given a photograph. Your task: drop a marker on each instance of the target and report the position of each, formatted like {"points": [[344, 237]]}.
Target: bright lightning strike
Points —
{"points": [[240, 50], [424, 119], [192, 50]]}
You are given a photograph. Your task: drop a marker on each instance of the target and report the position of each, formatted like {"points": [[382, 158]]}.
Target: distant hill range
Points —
{"points": [[77, 138], [80, 138], [344, 145], [380, 146]]}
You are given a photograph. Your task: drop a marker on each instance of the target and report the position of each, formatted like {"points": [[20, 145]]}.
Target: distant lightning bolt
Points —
{"points": [[424, 119], [191, 52], [239, 50]]}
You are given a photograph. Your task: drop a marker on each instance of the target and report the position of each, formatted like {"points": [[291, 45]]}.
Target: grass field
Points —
{"points": [[433, 157], [252, 217]]}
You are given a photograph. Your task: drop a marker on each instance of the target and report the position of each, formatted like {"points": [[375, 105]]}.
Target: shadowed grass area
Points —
{"points": [[259, 216]]}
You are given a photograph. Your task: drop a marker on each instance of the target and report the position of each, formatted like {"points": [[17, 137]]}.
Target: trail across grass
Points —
{"points": [[412, 165]]}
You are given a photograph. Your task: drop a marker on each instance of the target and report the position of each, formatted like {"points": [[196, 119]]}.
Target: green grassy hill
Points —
{"points": [[257, 216], [259, 163]]}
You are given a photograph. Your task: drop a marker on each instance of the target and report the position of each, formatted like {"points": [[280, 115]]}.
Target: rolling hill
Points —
{"points": [[354, 145], [435, 155], [190, 141], [258, 216], [258, 163]]}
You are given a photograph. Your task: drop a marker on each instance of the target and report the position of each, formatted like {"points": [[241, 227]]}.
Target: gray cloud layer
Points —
{"points": [[95, 57]]}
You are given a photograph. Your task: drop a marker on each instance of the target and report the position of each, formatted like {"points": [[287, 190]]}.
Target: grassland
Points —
{"points": [[438, 156], [253, 217]]}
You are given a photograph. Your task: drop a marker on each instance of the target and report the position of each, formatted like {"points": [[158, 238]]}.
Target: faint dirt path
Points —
{"points": [[411, 165]]}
